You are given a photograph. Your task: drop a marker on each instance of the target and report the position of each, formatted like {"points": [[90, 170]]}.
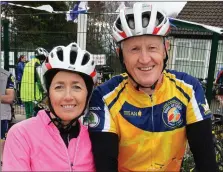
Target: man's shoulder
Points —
{"points": [[181, 76]]}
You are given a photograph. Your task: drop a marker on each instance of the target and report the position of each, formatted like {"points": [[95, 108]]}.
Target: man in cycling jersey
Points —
{"points": [[7, 96], [141, 120]]}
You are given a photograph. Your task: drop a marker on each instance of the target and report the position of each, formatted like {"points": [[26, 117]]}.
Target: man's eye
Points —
{"points": [[135, 49], [153, 48]]}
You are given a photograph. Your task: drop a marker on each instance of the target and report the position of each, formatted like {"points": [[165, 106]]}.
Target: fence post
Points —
{"points": [[6, 44], [212, 64], [15, 51]]}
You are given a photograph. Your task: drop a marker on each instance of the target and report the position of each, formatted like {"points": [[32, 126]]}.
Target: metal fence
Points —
{"points": [[190, 55]]}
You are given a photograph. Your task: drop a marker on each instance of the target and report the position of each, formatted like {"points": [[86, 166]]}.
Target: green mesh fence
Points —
{"points": [[190, 54]]}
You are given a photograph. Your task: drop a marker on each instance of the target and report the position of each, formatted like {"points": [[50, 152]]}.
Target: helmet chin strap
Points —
{"points": [[137, 84], [59, 122]]}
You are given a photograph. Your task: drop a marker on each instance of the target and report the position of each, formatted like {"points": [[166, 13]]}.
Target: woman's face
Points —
{"points": [[23, 59], [68, 94]]}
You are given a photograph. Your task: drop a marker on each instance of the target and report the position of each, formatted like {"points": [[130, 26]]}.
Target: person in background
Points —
{"points": [[7, 95], [19, 72], [56, 140], [219, 90], [141, 120], [31, 88]]}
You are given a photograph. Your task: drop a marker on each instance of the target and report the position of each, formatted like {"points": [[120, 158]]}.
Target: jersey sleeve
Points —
{"points": [[198, 108], [10, 82], [99, 118]]}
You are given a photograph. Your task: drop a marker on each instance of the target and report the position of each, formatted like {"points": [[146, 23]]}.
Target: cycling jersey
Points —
{"points": [[151, 129], [6, 82]]}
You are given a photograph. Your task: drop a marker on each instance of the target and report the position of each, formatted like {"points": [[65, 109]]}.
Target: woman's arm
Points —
{"points": [[16, 153]]}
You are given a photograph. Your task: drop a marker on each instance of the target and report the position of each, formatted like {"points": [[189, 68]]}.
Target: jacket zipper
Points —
{"points": [[153, 129], [66, 150], [68, 140], [152, 113]]}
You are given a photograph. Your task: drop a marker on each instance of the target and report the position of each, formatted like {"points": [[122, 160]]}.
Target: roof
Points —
{"points": [[205, 12]]}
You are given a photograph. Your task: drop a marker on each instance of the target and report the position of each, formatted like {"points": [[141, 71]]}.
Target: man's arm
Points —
{"points": [[103, 134], [8, 97], [199, 130], [105, 151], [201, 144]]}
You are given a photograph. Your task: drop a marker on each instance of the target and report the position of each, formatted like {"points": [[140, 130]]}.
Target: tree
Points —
{"points": [[36, 28], [99, 38]]}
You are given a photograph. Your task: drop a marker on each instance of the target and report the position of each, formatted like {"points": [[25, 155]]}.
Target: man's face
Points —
{"points": [[143, 58]]}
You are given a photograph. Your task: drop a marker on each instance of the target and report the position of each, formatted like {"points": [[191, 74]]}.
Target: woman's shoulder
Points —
{"points": [[25, 125], [31, 125]]}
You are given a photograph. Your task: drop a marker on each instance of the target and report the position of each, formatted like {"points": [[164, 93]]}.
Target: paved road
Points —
{"points": [[19, 118]]}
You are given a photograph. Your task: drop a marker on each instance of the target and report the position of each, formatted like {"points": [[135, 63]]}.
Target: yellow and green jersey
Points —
{"points": [[151, 129], [30, 89]]}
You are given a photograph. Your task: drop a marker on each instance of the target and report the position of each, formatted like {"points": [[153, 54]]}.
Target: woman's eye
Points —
{"points": [[76, 87], [58, 87]]}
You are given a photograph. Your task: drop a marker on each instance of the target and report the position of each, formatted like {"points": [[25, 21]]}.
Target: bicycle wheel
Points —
{"points": [[219, 155]]}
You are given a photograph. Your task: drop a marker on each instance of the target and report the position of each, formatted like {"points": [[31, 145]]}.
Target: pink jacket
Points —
{"points": [[33, 145]]}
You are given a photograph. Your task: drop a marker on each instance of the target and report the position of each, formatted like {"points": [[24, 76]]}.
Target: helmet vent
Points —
{"points": [[73, 57], [47, 60], [60, 53], [130, 21], [119, 25], [73, 45], [86, 58], [92, 63], [145, 19], [160, 18]]}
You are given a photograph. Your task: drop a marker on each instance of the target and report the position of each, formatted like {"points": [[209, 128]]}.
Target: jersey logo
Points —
{"points": [[133, 113], [171, 114], [93, 120], [95, 108], [205, 107]]}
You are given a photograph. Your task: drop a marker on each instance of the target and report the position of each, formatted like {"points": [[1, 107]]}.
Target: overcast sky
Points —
{"points": [[170, 7]]}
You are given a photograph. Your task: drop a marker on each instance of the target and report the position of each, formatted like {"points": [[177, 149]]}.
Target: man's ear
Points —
{"points": [[167, 45]]}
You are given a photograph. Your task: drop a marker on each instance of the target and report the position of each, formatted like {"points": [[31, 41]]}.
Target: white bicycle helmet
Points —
{"points": [[41, 52], [142, 19], [71, 58]]}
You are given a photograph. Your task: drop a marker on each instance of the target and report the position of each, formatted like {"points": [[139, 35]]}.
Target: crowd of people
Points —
{"points": [[140, 120]]}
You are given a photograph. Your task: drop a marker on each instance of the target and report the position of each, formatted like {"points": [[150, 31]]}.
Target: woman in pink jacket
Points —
{"points": [[56, 140]]}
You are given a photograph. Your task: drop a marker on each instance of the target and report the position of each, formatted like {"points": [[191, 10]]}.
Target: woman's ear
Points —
{"points": [[117, 51]]}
